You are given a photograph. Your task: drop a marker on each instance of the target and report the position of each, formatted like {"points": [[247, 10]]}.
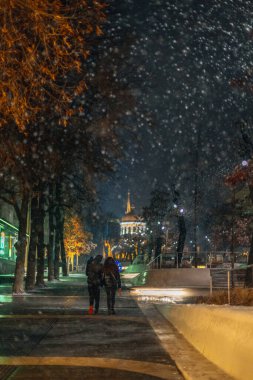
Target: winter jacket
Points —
{"points": [[111, 277], [94, 272], [88, 265]]}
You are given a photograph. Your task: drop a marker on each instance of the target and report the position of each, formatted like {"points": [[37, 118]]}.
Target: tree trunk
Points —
{"points": [[18, 285], [158, 250], [196, 196], [181, 238], [63, 252], [31, 267], [51, 245], [150, 247], [63, 259], [77, 262], [57, 231], [68, 263], [57, 248], [59, 226], [41, 245], [72, 263]]}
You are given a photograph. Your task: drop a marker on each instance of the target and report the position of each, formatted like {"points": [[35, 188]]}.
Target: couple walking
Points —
{"points": [[106, 275]]}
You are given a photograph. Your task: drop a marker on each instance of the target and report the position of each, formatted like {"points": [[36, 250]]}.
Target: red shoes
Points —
{"points": [[90, 311]]}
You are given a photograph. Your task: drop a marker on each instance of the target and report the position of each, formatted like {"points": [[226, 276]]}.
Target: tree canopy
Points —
{"points": [[44, 45]]}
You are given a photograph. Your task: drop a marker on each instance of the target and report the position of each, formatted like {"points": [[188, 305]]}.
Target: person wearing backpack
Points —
{"points": [[112, 282], [89, 261], [94, 280]]}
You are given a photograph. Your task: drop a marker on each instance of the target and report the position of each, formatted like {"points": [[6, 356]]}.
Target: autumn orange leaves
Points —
{"points": [[43, 48]]}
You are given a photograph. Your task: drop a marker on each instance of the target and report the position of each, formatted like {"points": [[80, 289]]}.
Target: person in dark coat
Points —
{"points": [[94, 280], [89, 261], [112, 282]]}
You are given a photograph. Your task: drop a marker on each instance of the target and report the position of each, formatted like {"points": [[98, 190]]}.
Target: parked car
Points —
{"points": [[200, 262]]}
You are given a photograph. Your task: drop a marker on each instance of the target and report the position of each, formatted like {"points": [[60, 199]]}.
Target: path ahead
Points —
{"points": [[49, 335]]}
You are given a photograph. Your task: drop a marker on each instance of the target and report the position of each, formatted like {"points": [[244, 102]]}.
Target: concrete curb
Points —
{"points": [[188, 360]]}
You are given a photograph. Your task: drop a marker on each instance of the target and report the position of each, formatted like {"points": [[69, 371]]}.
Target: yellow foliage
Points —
{"points": [[76, 240]]}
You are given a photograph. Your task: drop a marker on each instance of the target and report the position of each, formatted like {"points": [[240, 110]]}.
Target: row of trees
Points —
{"points": [[52, 146], [241, 177]]}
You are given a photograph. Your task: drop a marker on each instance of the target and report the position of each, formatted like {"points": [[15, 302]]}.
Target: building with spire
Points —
{"points": [[131, 224]]}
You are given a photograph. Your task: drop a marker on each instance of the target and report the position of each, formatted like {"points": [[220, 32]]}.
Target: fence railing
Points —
{"points": [[171, 260], [209, 259], [228, 279], [155, 263]]}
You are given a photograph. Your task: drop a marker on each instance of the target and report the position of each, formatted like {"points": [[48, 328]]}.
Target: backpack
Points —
{"points": [[109, 279], [93, 278], [94, 274]]}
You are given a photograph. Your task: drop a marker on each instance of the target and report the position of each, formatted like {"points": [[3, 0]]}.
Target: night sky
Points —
{"points": [[178, 66]]}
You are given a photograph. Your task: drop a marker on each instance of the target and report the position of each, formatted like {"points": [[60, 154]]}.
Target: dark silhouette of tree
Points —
{"points": [[154, 215], [181, 225], [164, 205], [56, 152], [244, 174]]}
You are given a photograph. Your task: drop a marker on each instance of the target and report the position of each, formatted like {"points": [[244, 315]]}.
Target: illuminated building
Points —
{"points": [[131, 224]]}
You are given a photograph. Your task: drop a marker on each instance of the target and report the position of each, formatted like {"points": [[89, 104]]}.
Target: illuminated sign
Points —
{"points": [[2, 241]]}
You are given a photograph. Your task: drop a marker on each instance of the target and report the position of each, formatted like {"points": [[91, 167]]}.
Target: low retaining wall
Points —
{"points": [[181, 277], [223, 334]]}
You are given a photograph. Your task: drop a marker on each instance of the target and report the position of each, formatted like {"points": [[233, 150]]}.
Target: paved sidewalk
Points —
{"points": [[49, 335]]}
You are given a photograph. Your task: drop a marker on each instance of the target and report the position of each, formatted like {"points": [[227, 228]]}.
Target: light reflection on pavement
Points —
{"points": [[156, 300], [5, 299], [169, 295]]}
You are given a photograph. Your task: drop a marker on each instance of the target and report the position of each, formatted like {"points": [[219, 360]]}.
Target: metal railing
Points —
{"points": [[155, 263], [205, 259], [171, 261], [228, 279]]}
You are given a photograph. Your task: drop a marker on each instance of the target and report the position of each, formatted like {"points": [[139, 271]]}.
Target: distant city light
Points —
{"points": [[244, 163], [175, 206], [181, 210]]}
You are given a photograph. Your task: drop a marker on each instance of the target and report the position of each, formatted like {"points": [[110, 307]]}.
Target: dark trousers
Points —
{"points": [[110, 292], [94, 294]]}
